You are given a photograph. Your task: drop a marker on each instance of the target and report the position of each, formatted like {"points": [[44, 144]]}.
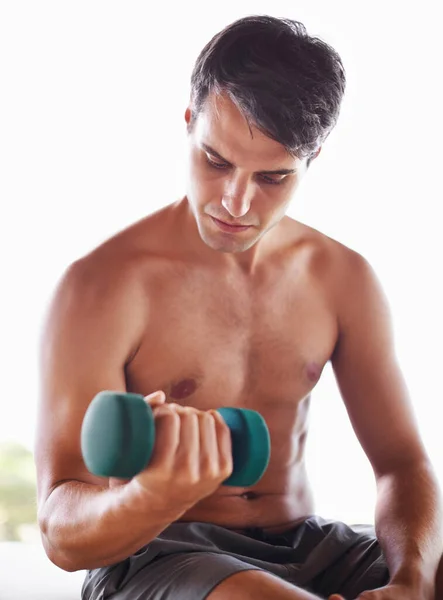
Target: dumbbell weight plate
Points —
{"points": [[251, 445], [118, 435]]}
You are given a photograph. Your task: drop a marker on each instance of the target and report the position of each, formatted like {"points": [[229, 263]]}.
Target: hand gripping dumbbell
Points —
{"points": [[118, 435]]}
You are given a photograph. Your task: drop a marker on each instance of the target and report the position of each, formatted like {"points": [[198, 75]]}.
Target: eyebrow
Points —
{"points": [[210, 150]]}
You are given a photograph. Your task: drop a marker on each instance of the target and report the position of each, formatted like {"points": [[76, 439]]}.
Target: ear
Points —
{"points": [[317, 153], [188, 115], [188, 119]]}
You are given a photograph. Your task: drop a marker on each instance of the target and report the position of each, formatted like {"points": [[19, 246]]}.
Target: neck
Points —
{"points": [[246, 262]]}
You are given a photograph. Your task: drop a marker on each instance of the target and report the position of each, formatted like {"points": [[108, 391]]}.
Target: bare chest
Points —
{"points": [[210, 343]]}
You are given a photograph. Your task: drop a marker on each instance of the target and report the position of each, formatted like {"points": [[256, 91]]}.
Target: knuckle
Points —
{"points": [[225, 474], [163, 409], [207, 416], [190, 423], [208, 469], [226, 465], [193, 477], [172, 416], [188, 413]]}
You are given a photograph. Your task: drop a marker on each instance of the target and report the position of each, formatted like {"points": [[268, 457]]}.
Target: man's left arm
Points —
{"points": [[409, 509]]}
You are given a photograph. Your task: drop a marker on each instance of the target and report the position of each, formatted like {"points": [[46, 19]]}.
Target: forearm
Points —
{"points": [[85, 526], [409, 522]]}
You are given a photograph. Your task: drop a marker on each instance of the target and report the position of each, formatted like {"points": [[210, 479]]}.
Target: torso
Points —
{"points": [[216, 340]]}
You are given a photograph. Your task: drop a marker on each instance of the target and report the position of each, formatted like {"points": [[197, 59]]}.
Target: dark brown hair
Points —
{"points": [[287, 83]]}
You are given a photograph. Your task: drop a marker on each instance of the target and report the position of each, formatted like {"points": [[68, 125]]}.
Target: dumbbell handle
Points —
{"points": [[118, 435]]}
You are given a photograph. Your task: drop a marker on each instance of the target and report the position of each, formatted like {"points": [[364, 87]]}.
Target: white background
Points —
{"points": [[92, 138]]}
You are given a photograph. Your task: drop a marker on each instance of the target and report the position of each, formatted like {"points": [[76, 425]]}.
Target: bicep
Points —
{"points": [[86, 341], [369, 377]]}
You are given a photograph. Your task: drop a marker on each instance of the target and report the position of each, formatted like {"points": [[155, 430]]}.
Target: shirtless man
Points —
{"points": [[219, 299]]}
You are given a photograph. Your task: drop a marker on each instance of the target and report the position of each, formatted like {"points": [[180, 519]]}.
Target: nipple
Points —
{"points": [[313, 371], [183, 389]]}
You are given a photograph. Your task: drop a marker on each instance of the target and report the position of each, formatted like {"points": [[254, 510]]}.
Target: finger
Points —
{"points": [[224, 442], [209, 461], [156, 398], [167, 438], [187, 453]]}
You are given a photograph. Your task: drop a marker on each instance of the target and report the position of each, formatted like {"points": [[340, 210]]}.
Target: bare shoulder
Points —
{"points": [[339, 260], [343, 273], [355, 286], [136, 240], [111, 283], [120, 262], [350, 272]]}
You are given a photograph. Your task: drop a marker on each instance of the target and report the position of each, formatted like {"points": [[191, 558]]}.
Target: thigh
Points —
{"points": [[258, 585], [185, 576]]}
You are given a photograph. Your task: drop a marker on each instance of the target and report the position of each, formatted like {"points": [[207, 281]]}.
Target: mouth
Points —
{"points": [[230, 228]]}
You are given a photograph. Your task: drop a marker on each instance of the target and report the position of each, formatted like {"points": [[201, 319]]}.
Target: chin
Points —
{"points": [[223, 242]]}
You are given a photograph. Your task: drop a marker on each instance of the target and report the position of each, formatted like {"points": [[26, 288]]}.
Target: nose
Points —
{"points": [[237, 198]]}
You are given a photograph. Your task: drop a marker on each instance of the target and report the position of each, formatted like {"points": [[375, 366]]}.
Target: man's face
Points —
{"points": [[236, 179]]}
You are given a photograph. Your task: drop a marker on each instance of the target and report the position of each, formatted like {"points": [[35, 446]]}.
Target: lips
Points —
{"points": [[228, 227], [231, 224]]}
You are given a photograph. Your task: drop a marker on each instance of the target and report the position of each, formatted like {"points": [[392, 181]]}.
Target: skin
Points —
{"points": [[250, 318]]}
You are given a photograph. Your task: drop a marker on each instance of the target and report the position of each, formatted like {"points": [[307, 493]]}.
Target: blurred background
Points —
{"points": [[92, 138]]}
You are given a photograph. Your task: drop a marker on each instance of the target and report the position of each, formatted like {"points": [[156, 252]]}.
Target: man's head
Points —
{"points": [[264, 97]]}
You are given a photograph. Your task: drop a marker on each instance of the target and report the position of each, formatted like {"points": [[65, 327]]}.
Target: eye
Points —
{"points": [[265, 178], [272, 181], [215, 164]]}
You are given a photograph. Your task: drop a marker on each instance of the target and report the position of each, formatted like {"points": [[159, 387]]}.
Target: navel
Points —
{"points": [[183, 389], [249, 496]]}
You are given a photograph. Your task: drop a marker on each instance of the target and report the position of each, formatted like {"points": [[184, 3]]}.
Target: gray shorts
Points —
{"points": [[188, 560]]}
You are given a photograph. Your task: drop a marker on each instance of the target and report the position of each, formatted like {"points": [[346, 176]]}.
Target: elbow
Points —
{"points": [[405, 468], [60, 558], [54, 550]]}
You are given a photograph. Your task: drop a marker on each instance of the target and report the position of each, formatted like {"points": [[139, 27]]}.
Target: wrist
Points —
{"points": [[146, 501]]}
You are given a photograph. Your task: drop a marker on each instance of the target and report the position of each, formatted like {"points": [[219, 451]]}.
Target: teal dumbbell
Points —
{"points": [[118, 435]]}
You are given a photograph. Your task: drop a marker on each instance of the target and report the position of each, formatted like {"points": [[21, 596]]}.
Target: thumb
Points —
{"points": [[336, 597], [156, 398]]}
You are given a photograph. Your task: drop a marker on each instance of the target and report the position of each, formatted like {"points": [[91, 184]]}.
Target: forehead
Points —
{"points": [[222, 126]]}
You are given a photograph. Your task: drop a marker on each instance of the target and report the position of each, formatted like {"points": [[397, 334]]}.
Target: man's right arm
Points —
{"points": [[95, 325], [93, 328]]}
